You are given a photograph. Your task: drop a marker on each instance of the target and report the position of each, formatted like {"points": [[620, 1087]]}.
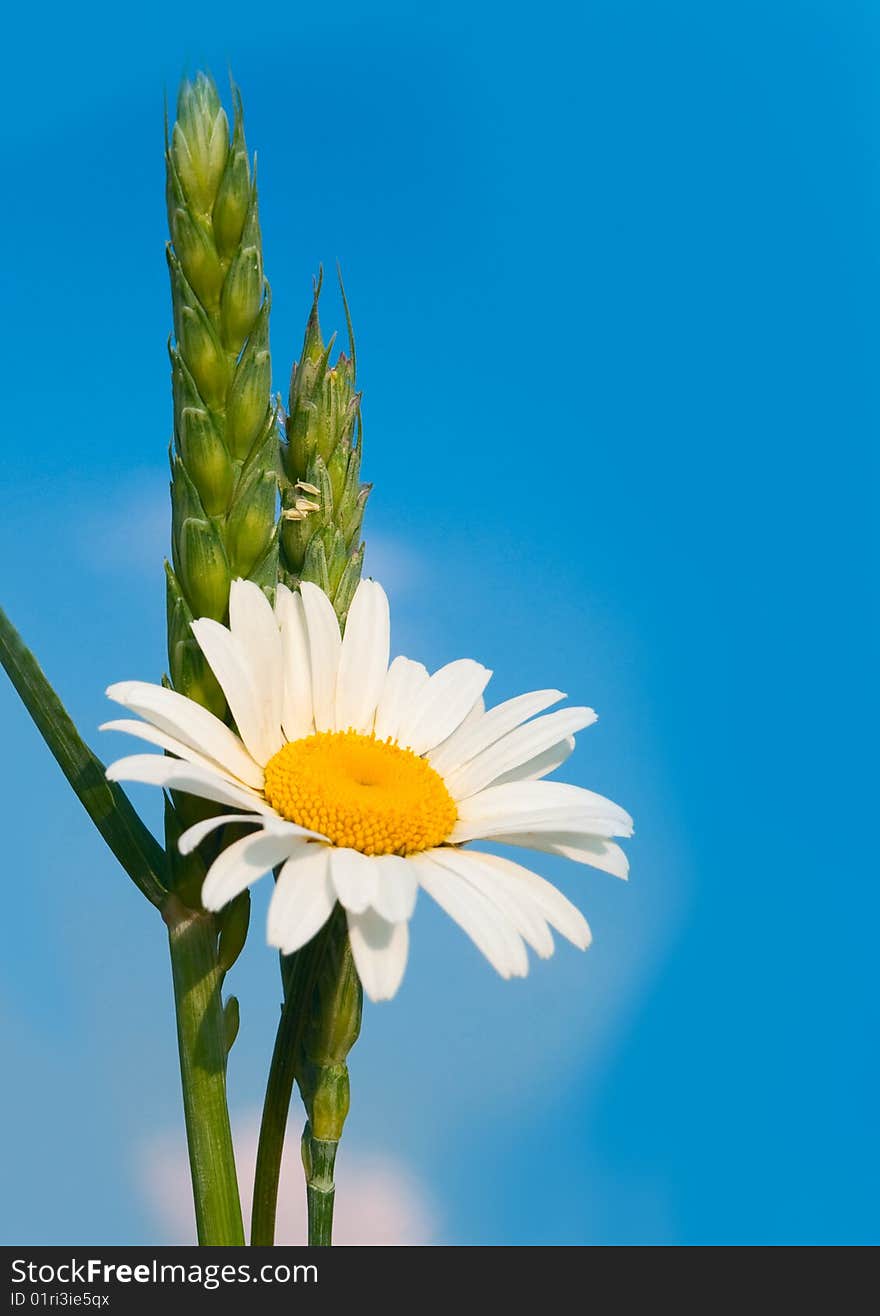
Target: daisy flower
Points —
{"points": [[364, 782]]}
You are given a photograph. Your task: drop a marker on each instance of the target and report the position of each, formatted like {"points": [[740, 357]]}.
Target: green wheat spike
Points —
{"points": [[321, 494], [224, 454], [224, 476]]}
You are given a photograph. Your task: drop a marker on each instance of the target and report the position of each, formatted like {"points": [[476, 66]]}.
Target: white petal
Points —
{"points": [[354, 877], [596, 851], [536, 806], [232, 666], [473, 737], [174, 774], [153, 736], [447, 750], [443, 703], [363, 661], [194, 835], [486, 926], [297, 712], [537, 820], [253, 623], [403, 683], [396, 887], [559, 912], [539, 794], [541, 765], [325, 644], [303, 899], [187, 721], [516, 748], [242, 863], [379, 950], [512, 900]]}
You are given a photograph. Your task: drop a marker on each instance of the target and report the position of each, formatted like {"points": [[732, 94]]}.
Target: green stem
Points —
{"points": [[201, 1037], [318, 1159], [299, 974]]}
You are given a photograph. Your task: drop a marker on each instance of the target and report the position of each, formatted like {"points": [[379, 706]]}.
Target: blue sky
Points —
{"points": [[614, 273]]}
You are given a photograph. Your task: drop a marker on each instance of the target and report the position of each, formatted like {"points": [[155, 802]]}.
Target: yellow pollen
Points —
{"points": [[362, 793]]}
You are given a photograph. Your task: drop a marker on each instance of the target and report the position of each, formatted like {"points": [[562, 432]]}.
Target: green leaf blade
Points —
{"points": [[105, 802]]}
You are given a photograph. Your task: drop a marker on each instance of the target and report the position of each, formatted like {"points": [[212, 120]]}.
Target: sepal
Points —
{"points": [[231, 1021], [234, 923]]}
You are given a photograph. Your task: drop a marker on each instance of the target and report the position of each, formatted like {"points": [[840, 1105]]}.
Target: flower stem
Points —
{"points": [[318, 1157], [299, 974], [202, 1041]]}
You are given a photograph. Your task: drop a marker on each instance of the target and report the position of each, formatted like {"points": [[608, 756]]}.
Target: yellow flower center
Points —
{"points": [[362, 793]]}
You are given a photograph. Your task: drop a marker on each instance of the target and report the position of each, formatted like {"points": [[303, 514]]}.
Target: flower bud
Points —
{"points": [[349, 583], [201, 349], [235, 195], [242, 295], [206, 459], [200, 142], [315, 564], [183, 386], [337, 468], [306, 402], [185, 500], [197, 255], [353, 515], [295, 536], [191, 675], [203, 569], [302, 444], [189, 670], [249, 401], [251, 522], [337, 559]]}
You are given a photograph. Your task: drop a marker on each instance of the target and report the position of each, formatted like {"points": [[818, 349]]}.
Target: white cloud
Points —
{"points": [[127, 529], [393, 562], [378, 1201]]}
